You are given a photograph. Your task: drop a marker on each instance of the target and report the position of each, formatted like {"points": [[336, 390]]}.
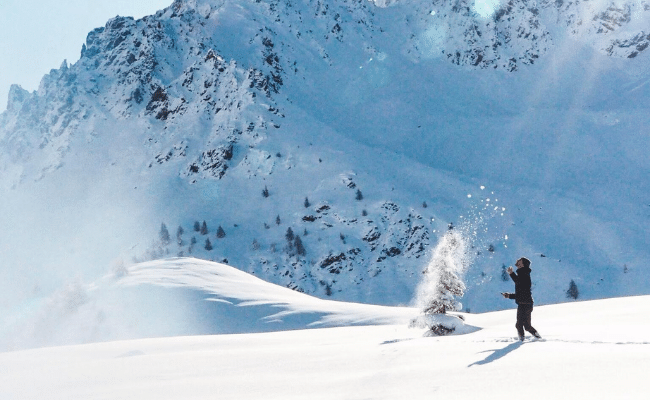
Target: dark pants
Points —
{"points": [[523, 319]]}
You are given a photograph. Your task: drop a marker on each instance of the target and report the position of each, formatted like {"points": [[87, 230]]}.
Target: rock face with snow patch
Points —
{"points": [[260, 105], [616, 28]]}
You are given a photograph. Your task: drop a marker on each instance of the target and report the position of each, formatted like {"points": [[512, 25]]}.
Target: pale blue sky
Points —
{"points": [[37, 35]]}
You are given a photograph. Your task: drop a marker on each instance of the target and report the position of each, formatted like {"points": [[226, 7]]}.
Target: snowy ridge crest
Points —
{"points": [[251, 114]]}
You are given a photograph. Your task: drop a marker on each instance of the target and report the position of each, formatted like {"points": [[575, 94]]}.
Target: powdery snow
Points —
{"points": [[593, 349]]}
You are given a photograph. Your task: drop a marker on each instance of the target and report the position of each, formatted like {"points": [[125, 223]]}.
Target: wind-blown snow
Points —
{"points": [[449, 261], [593, 349], [180, 296]]}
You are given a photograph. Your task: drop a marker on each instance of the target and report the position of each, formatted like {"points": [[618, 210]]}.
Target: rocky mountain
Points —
{"points": [[361, 130]]}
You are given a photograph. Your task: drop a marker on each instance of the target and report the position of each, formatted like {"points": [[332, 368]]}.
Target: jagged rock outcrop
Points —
{"points": [[236, 94]]}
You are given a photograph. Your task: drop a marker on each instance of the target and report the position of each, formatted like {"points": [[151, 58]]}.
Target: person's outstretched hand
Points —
{"points": [[509, 270]]}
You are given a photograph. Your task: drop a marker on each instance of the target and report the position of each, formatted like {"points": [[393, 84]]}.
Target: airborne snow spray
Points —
{"points": [[442, 283], [442, 280]]}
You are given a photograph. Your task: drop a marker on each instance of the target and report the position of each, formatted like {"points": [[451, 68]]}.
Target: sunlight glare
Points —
{"points": [[485, 8]]}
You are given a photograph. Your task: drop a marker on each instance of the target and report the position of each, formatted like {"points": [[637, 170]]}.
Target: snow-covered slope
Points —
{"points": [[367, 128], [183, 296], [593, 349]]}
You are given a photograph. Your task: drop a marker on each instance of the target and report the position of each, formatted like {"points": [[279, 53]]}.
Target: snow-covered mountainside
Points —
{"points": [[332, 142]]}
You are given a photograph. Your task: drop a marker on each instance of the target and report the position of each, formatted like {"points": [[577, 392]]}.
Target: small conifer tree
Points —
{"points": [[164, 234], [359, 195], [572, 292], [204, 229], [197, 226], [300, 248], [179, 235], [442, 284], [221, 233], [307, 204], [208, 245], [289, 235], [504, 273], [265, 192]]}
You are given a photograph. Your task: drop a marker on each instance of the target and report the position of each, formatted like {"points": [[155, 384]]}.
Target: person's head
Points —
{"points": [[522, 262]]}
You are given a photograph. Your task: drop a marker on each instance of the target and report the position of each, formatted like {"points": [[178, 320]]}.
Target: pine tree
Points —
{"points": [[442, 282], [277, 220], [289, 235], [221, 233], [300, 248], [359, 195], [164, 235], [504, 274], [197, 226], [328, 288], [191, 246], [572, 292], [265, 192], [204, 229], [208, 245], [307, 204], [179, 235]]}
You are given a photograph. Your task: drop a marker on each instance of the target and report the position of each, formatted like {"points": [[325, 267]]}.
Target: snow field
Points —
{"points": [[593, 349], [379, 362]]}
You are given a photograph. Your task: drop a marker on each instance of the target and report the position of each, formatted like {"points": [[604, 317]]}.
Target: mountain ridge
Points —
{"points": [[417, 106]]}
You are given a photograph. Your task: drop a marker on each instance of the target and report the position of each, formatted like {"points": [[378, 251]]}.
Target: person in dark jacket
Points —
{"points": [[523, 297]]}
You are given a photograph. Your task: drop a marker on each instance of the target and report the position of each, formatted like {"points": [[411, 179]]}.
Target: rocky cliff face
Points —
{"points": [[170, 64], [616, 28], [229, 95]]}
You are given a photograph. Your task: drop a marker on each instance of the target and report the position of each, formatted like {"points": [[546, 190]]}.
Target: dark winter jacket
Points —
{"points": [[522, 294]]}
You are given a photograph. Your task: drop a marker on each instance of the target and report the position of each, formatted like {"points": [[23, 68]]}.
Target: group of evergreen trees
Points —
{"points": [[201, 228], [294, 243]]}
